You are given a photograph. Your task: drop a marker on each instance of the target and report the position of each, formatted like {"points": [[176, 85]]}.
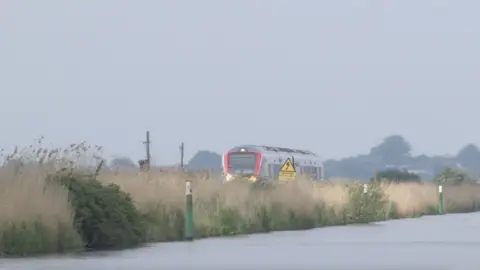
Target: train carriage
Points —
{"points": [[261, 163]]}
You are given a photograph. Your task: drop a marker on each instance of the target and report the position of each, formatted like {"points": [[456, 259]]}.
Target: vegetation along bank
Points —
{"points": [[45, 209]]}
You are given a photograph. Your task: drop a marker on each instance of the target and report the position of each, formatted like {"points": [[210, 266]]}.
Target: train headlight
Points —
{"points": [[228, 177]]}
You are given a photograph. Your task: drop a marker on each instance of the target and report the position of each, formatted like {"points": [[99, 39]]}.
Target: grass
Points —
{"points": [[239, 207], [35, 216], [38, 216]]}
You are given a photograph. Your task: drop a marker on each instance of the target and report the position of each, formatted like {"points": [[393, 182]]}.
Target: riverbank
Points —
{"points": [[38, 215]]}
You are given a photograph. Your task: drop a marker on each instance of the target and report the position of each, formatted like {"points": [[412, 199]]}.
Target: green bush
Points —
{"points": [[105, 216], [364, 207], [452, 176]]}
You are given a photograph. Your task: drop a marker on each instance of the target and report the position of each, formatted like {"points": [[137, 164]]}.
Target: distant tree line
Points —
{"points": [[395, 153], [447, 176], [392, 158]]}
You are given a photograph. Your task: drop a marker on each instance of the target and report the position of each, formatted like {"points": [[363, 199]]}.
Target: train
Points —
{"points": [[261, 163]]}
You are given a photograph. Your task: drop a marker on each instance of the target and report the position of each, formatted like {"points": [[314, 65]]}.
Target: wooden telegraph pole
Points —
{"points": [[182, 147], [147, 150]]}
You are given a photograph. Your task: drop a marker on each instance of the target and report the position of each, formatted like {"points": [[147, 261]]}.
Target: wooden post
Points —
{"points": [[181, 156]]}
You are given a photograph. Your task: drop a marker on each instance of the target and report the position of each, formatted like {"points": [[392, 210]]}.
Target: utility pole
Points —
{"points": [[147, 150], [181, 156]]}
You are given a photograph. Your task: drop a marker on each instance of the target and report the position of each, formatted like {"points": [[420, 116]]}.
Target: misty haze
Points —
{"points": [[334, 77], [210, 134]]}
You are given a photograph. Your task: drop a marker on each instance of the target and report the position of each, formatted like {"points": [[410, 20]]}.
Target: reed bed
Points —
{"points": [[38, 215]]}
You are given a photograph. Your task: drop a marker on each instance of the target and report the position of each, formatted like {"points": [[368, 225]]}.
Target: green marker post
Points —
{"points": [[440, 200], [188, 211]]}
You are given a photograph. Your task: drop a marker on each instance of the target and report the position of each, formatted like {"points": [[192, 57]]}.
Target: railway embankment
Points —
{"points": [[44, 212]]}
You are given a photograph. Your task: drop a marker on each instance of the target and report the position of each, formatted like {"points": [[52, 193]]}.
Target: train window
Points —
{"points": [[264, 168], [276, 171], [241, 162], [310, 171], [314, 173]]}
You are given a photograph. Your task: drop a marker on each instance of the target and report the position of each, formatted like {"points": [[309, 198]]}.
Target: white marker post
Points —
{"points": [[188, 211], [440, 199], [365, 186]]}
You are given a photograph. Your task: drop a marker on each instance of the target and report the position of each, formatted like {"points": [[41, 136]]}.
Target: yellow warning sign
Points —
{"points": [[287, 171]]}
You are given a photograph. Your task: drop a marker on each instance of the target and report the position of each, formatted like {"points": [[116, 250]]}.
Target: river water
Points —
{"points": [[432, 242]]}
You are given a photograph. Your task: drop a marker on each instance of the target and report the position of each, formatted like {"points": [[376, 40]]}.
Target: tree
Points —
{"points": [[205, 160], [393, 150], [395, 175], [469, 157], [359, 167], [122, 163], [452, 176]]}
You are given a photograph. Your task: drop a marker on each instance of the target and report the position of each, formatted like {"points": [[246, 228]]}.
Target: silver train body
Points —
{"points": [[263, 163]]}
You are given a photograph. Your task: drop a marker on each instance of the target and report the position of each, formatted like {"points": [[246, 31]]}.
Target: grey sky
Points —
{"points": [[334, 77]]}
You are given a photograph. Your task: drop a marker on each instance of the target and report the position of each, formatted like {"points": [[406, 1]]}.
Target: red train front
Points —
{"points": [[242, 162]]}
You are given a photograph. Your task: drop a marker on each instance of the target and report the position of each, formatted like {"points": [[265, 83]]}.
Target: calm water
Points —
{"points": [[446, 242]]}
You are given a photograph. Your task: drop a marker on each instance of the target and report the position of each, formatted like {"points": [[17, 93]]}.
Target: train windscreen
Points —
{"points": [[243, 163]]}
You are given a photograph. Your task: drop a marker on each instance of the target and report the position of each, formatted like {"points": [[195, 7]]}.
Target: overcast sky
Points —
{"points": [[334, 77]]}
